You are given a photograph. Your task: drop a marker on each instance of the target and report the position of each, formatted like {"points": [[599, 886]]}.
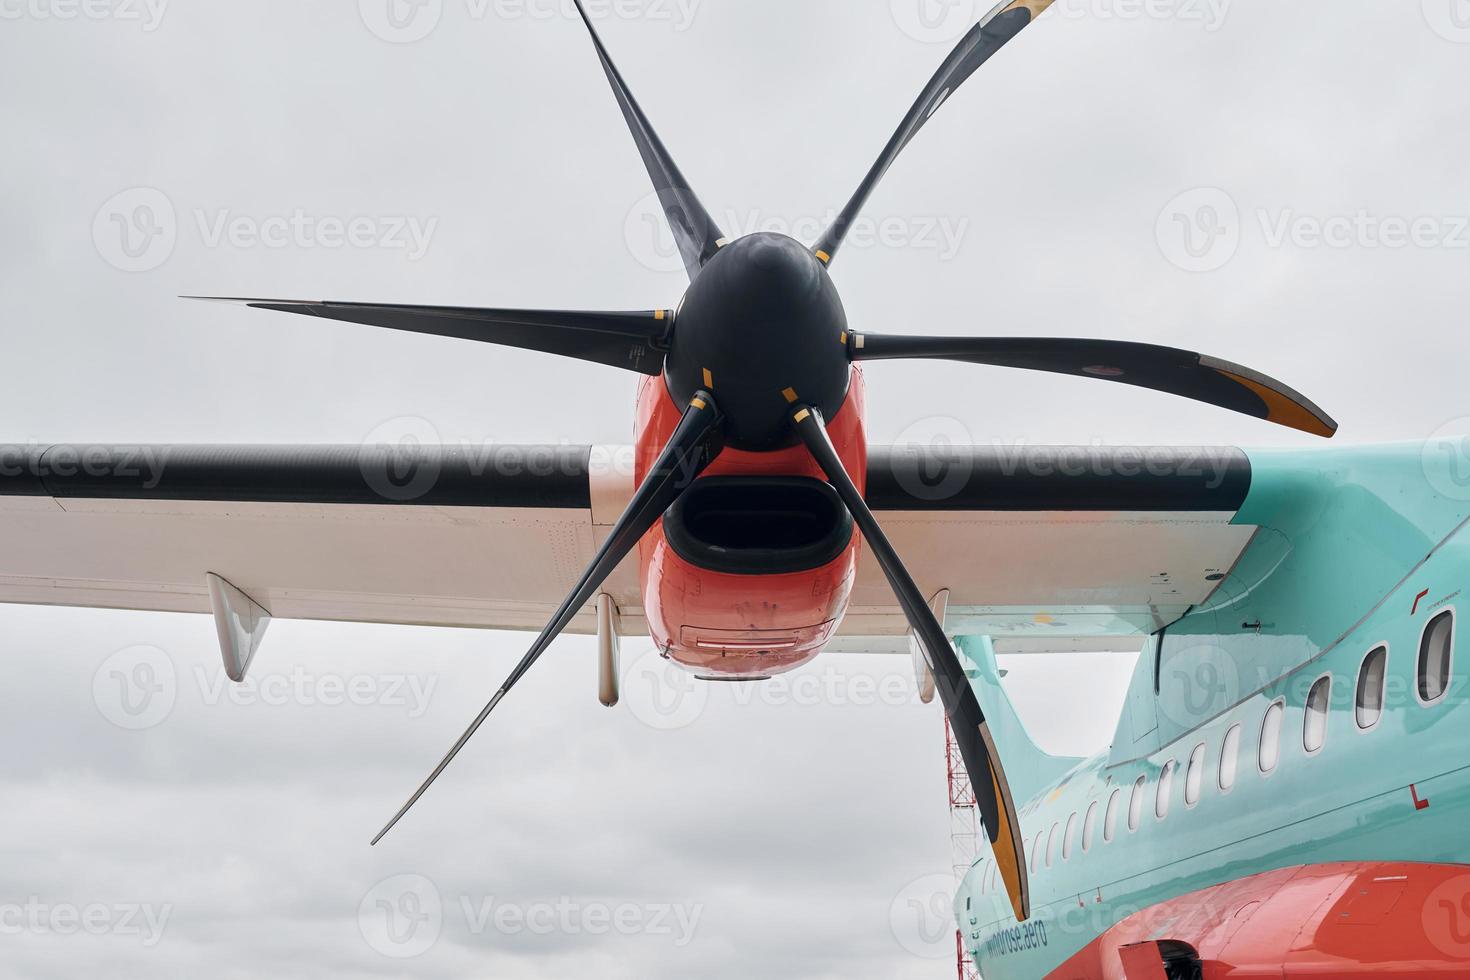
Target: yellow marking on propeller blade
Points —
{"points": [[700, 404], [803, 415], [709, 379], [844, 338], [721, 242], [1009, 856], [790, 395], [1037, 7], [1283, 409], [660, 314], [825, 258]]}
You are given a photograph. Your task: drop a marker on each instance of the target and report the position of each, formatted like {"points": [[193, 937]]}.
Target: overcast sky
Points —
{"points": [[1282, 185]]}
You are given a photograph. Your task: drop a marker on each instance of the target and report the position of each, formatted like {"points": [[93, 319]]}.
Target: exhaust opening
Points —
{"points": [[759, 525]]}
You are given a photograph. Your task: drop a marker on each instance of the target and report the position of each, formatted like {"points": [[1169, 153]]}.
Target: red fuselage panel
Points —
{"points": [[1387, 920]]}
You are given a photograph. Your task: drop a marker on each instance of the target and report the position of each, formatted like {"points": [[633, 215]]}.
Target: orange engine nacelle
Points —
{"points": [[767, 515]]}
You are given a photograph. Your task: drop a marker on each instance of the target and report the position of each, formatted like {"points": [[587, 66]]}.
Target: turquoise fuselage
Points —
{"points": [[1356, 549]]}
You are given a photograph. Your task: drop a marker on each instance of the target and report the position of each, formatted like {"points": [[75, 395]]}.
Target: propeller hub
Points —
{"points": [[761, 323]]}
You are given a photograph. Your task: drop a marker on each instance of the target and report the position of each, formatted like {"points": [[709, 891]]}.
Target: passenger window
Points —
{"points": [[1270, 751], [1372, 677], [1051, 844], [1436, 651], [1069, 835], [1166, 789], [1314, 726], [1194, 779], [1110, 818], [1229, 757], [1036, 853], [1135, 804], [1089, 826]]}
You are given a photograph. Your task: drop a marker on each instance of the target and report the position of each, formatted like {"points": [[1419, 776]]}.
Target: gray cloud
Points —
{"points": [[793, 827]]}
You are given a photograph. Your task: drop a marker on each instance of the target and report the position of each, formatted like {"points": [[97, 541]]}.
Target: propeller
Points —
{"points": [[1167, 369], [634, 341], [982, 761], [693, 446], [995, 30], [695, 232]]}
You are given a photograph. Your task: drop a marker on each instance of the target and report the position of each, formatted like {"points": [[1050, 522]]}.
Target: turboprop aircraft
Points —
{"points": [[1278, 797]]}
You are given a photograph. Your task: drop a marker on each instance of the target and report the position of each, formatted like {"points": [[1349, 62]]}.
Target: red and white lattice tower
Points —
{"points": [[964, 833]]}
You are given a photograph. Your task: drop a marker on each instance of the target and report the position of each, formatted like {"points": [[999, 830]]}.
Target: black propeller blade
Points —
{"points": [[993, 32], [695, 231], [633, 341], [982, 762], [1167, 369], [693, 447]]}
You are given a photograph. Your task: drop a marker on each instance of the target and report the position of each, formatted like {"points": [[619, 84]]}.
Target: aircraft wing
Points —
{"points": [[1035, 545]]}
